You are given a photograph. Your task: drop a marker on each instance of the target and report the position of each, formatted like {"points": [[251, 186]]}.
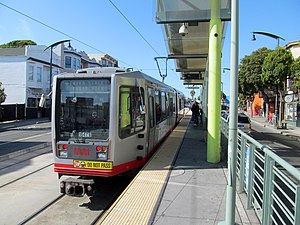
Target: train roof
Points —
{"points": [[92, 72], [110, 71], [141, 75], [101, 70]]}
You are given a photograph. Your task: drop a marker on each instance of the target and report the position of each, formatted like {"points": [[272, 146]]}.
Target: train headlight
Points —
{"points": [[62, 153], [102, 155], [62, 150]]}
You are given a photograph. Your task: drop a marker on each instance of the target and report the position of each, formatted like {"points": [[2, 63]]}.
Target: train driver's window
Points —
{"points": [[125, 118], [131, 119], [138, 116]]}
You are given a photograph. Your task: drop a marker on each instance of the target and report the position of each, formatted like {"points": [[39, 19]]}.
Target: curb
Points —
{"points": [[24, 151]]}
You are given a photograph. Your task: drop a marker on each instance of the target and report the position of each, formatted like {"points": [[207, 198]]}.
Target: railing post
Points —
{"points": [[250, 176], [297, 206], [242, 163], [267, 189]]}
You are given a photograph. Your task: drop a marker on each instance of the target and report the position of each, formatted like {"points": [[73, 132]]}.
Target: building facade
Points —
{"points": [[25, 76]]}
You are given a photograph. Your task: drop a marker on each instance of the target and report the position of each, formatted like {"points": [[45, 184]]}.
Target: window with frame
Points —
{"points": [[47, 72], [68, 62], [157, 106], [163, 104], [30, 72], [151, 111], [74, 64], [77, 64], [171, 106], [132, 116], [39, 74]]}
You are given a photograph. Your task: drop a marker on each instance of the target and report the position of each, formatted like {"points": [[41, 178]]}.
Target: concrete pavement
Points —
{"points": [[196, 190]]}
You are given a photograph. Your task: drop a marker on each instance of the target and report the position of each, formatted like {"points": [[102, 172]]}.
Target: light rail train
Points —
{"points": [[108, 121]]}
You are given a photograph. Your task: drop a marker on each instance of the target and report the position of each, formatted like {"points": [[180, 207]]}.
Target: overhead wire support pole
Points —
{"points": [[232, 138]]}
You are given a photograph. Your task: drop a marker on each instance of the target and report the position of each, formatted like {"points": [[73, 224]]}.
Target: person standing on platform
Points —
{"points": [[195, 113]]}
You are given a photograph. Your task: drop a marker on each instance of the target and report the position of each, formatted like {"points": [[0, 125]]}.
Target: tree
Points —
{"points": [[17, 44], [250, 71], [295, 76], [2, 98], [275, 70]]}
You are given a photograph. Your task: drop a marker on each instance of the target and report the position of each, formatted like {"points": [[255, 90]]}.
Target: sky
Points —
{"points": [[96, 26]]}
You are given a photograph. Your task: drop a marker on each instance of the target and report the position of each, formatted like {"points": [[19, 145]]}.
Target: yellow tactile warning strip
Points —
{"points": [[139, 202]]}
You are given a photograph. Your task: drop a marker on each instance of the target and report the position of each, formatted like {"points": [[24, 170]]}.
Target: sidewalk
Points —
{"points": [[292, 132], [196, 190], [179, 186]]}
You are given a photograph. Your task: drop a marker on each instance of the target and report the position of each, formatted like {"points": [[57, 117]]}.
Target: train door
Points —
{"points": [[151, 125], [131, 123]]}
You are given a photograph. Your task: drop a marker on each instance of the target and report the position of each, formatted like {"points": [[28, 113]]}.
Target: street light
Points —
{"points": [[278, 39], [224, 69], [268, 35], [51, 52]]}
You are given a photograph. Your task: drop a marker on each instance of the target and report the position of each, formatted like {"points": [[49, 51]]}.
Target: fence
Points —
{"points": [[12, 112], [271, 184]]}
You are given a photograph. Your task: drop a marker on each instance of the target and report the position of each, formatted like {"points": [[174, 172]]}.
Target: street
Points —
{"points": [[20, 135], [284, 146]]}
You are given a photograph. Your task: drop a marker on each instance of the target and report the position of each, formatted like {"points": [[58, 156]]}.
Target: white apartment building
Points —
{"points": [[25, 73]]}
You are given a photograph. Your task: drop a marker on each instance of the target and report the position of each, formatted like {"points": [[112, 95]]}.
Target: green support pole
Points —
{"points": [[214, 85]]}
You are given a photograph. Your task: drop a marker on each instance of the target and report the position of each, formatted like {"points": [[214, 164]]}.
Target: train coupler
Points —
{"points": [[77, 187]]}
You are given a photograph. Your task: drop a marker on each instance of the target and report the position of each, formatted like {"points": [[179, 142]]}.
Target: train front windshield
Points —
{"points": [[82, 110]]}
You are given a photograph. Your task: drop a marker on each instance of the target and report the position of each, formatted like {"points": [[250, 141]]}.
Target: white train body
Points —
{"points": [[106, 121]]}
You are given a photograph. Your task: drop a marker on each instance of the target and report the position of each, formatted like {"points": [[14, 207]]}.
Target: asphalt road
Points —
{"points": [[29, 135], [284, 146]]}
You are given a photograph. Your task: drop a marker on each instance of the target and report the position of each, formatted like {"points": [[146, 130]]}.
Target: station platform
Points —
{"points": [[178, 186]]}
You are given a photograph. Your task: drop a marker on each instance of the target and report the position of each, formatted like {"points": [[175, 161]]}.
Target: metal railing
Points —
{"points": [[271, 184]]}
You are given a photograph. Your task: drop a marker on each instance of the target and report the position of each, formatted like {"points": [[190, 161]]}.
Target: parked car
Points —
{"points": [[224, 114], [244, 122]]}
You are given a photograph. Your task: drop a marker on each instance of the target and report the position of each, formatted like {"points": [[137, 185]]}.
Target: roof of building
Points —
{"points": [[12, 51], [292, 44]]}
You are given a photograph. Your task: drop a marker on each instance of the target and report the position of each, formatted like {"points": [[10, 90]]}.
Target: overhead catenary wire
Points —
{"points": [[58, 31], [131, 24], [139, 33], [78, 40]]}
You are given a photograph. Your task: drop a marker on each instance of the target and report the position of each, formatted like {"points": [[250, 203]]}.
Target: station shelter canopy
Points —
{"points": [[190, 51]]}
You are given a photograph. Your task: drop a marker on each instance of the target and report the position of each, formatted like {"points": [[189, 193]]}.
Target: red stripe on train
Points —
{"points": [[68, 169]]}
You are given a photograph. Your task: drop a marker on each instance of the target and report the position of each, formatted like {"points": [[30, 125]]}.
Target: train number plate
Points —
{"points": [[92, 165]]}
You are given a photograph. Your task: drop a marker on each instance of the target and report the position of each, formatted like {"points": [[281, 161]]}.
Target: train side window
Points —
{"points": [[171, 105], [151, 111], [157, 107], [163, 105], [132, 118]]}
